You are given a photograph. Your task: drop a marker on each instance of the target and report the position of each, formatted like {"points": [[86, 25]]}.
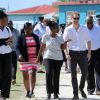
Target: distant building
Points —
{"points": [[84, 8], [19, 17], [2, 9], [82, 1]]}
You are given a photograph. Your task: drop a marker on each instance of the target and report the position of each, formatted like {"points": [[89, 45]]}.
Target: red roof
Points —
{"points": [[74, 3], [43, 9]]}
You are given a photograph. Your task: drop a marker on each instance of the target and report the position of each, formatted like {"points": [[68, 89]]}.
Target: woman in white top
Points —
{"points": [[5, 56], [52, 45]]}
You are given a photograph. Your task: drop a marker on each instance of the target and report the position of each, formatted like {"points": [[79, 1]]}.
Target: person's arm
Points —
{"points": [[89, 50], [42, 48], [63, 46], [18, 49], [88, 40], [9, 40], [67, 39]]}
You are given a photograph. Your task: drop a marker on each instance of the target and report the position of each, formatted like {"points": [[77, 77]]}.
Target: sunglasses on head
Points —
{"points": [[76, 18]]}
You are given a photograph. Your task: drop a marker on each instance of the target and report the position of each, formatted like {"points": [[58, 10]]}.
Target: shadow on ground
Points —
{"points": [[42, 98]]}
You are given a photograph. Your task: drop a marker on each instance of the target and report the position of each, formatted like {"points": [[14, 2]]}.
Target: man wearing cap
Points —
{"points": [[94, 33]]}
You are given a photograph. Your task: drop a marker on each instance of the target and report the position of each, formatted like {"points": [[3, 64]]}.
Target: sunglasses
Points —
{"points": [[90, 23], [76, 18]]}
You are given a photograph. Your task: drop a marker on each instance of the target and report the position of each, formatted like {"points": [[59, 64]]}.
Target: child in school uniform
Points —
{"points": [[5, 56]]}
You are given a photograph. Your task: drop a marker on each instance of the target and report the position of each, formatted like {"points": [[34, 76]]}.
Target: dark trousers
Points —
{"points": [[80, 58], [5, 74], [53, 68], [95, 56], [14, 64], [97, 82]]}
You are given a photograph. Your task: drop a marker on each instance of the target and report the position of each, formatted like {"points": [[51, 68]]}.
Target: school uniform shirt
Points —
{"points": [[39, 30], [95, 37], [78, 38], [53, 47], [5, 33]]}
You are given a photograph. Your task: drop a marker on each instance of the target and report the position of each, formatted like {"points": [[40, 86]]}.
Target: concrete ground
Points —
{"points": [[66, 92]]}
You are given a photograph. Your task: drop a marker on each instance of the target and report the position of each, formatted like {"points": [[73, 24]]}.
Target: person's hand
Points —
{"points": [[20, 58], [89, 56], [9, 41], [68, 57], [38, 60]]}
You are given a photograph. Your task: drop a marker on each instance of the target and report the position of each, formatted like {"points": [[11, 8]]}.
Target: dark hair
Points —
{"points": [[41, 19], [53, 25], [89, 19], [3, 15], [62, 26], [34, 25], [26, 25]]}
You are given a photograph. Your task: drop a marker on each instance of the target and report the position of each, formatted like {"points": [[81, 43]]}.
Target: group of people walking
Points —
{"points": [[45, 43]]}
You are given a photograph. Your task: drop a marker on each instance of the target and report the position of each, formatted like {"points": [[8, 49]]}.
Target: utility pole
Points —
{"points": [[8, 6]]}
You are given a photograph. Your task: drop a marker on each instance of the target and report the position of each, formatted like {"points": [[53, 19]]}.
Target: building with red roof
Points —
{"points": [[19, 17], [43, 9]]}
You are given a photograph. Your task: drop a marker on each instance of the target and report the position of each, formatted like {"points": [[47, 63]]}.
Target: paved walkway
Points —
{"points": [[65, 89]]}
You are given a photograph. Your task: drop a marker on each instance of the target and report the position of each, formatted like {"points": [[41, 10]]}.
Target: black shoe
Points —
{"points": [[48, 96], [75, 97], [56, 96], [83, 94], [90, 93], [27, 94], [31, 94], [3, 98]]}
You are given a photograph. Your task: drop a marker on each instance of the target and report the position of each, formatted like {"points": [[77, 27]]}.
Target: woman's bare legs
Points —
{"points": [[26, 81], [32, 80]]}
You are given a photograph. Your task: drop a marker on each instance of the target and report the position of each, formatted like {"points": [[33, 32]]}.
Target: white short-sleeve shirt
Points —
{"points": [[79, 38], [53, 47], [5, 33], [95, 37], [39, 29]]}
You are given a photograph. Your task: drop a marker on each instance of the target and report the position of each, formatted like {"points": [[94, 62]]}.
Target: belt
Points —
{"points": [[77, 51]]}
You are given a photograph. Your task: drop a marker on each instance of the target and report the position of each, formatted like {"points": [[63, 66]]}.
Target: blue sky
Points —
{"points": [[20, 4]]}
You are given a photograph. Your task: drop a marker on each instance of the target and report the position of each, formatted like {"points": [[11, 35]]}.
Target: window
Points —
{"points": [[90, 12], [68, 16]]}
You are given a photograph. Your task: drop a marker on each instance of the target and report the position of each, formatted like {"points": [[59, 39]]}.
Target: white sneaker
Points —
{"points": [[97, 92]]}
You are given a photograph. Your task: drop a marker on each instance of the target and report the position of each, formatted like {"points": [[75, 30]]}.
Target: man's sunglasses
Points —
{"points": [[76, 18], [90, 23]]}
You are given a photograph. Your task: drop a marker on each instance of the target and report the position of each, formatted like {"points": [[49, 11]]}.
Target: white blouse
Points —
{"points": [[53, 47], [5, 33]]}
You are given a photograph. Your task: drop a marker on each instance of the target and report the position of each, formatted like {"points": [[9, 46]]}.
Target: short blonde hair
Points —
{"points": [[75, 13]]}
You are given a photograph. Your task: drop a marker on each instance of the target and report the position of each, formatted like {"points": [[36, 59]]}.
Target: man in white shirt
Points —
{"points": [[79, 37], [40, 29], [94, 32]]}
